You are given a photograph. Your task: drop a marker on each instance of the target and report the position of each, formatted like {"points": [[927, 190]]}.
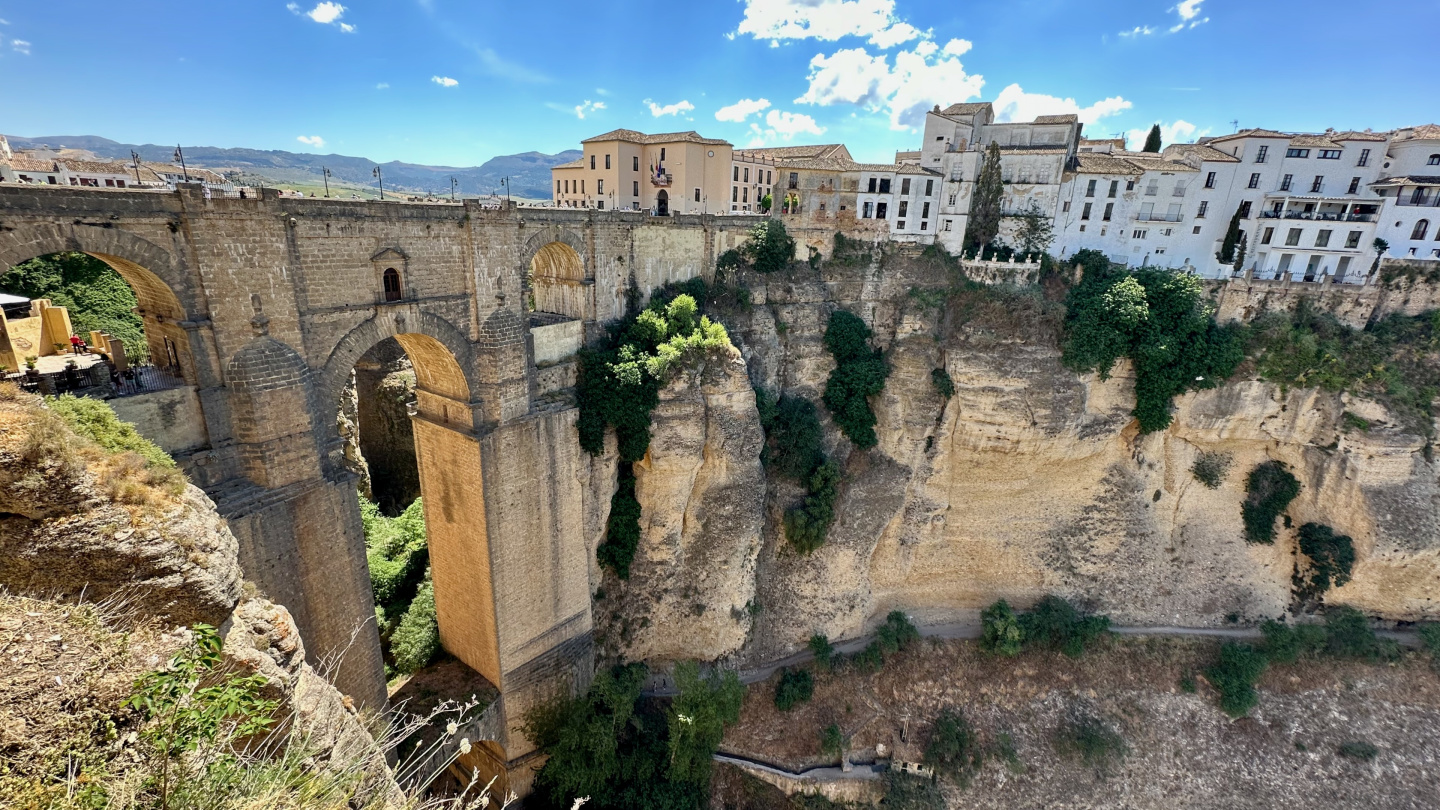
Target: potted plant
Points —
{"points": [[30, 369]]}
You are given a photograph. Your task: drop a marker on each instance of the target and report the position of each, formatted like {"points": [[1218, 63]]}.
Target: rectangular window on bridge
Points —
{"points": [[635, 188]]}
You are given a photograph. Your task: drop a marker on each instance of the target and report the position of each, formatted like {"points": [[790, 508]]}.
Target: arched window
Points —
{"points": [[1433, 161], [392, 285], [1421, 228]]}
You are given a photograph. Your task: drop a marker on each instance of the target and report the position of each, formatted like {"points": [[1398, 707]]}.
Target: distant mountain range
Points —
{"points": [[529, 172]]}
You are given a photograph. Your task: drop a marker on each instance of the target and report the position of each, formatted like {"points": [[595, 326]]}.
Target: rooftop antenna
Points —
{"points": [[1236, 124]]}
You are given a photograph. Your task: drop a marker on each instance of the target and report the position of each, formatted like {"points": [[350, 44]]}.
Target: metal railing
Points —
{"points": [[146, 379], [661, 179], [1317, 216], [1156, 217]]}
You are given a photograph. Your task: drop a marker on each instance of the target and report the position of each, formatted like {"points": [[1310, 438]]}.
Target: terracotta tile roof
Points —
{"points": [[1323, 141], [577, 163], [819, 150], [1251, 133], [95, 166], [1201, 151], [1064, 118], [1409, 180], [1118, 143], [1423, 132], [966, 109], [25, 164], [630, 135], [1033, 150], [1351, 135], [1149, 161], [1099, 163]]}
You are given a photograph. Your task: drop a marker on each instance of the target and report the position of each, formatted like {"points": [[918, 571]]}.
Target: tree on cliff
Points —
{"points": [[1232, 238], [1036, 232], [984, 224], [1240, 254], [1152, 141]]}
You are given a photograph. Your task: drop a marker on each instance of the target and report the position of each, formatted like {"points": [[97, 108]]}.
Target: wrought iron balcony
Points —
{"points": [[660, 179], [1155, 216]]}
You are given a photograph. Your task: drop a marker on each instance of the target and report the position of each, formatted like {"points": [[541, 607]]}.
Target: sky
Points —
{"points": [[455, 82]]}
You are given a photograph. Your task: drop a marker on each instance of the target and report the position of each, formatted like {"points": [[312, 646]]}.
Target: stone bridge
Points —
{"points": [[266, 304]]}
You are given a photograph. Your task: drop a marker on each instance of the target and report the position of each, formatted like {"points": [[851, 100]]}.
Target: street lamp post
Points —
{"points": [[381, 178], [135, 158], [453, 184], [506, 183], [180, 156], [325, 173]]}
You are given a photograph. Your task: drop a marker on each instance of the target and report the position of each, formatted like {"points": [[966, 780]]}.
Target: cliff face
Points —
{"points": [[1029, 480]]}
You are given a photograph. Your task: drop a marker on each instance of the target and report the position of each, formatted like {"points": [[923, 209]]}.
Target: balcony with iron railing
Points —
{"points": [[1318, 216], [660, 179], [1158, 216], [1419, 200]]}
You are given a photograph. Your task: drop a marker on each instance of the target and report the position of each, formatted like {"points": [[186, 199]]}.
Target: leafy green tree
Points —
{"points": [[697, 719], [795, 686], [1001, 633], [96, 296], [793, 435], [769, 248], [954, 748], [1329, 556], [1055, 624], [1036, 233], [1152, 140], [823, 651], [1239, 265], [896, 634], [1232, 238], [416, 640], [1234, 676], [1379, 246], [1269, 489], [807, 525], [833, 741], [983, 224]]}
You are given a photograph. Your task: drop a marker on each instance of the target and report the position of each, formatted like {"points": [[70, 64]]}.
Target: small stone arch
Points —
{"points": [[558, 280]]}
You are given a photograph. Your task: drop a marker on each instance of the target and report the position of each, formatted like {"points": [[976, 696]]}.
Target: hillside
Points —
{"points": [[529, 172]]}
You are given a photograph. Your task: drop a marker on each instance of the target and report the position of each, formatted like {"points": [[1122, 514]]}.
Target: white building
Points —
{"points": [[1410, 185]]}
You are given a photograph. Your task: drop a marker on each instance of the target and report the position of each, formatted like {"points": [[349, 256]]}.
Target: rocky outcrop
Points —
{"points": [[702, 493], [1029, 480]]}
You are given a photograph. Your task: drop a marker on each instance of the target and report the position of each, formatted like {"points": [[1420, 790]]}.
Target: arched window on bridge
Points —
{"points": [[392, 285], [557, 283]]}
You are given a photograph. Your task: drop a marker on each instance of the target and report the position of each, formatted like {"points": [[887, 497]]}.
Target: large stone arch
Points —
{"points": [[558, 278], [168, 298]]}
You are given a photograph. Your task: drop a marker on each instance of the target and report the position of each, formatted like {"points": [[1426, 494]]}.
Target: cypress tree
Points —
{"points": [[1232, 238], [1152, 141], [984, 223], [1240, 254]]}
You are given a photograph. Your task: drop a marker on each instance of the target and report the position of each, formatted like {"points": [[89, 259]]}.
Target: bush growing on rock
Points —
{"points": [[1091, 741], [416, 640], [859, 373], [1210, 468], [1285, 644], [1329, 558], [944, 386], [1349, 635], [769, 248], [896, 634], [954, 749], [1358, 749], [1269, 490], [833, 741], [824, 652], [795, 687], [1234, 676], [792, 435], [1430, 641], [905, 791], [807, 525]]}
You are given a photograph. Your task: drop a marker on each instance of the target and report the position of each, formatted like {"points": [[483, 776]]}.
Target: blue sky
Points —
{"points": [[458, 81]]}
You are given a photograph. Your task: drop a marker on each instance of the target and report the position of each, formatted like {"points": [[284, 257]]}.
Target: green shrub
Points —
{"points": [[1162, 321], [396, 553], [1234, 676], [1430, 641], [1350, 421], [1092, 742], [869, 659], [1269, 490], [792, 435], [849, 252], [859, 373], [806, 526], [823, 651], [1285, 644], [769, 248], [1001, 633], [731, 259], [1055, 624], [96, 420], [622, 528], [1349, 635], [416, 640], [905, 791], [795, 686], [954, 749], [1210, 468], [1330, 558], [833, 741], [896, 634], [944, 386], [1358, 749]]}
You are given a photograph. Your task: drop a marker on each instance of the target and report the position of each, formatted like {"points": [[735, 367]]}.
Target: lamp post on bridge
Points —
{"points": [[381, 178], [453, 184], [505, 181], [135, 158], [180, 156], [325, 173]]}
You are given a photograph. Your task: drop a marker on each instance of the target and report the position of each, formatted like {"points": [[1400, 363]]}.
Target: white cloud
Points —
{"points": [[20, 46], [587, 107], [497, 65], [1179, 131], [669, 109], [382, 86], [1189, 11], [444, 81], [325, 13], [1138, 31], [4, 21], [742, 109], [311, 140], [1014, 104], [826, 20], [600, 91], [788, 125], [919, 78]]}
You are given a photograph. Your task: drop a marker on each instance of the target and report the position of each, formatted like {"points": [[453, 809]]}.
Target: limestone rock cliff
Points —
{"points": [[701, 490], [1029, 480]]}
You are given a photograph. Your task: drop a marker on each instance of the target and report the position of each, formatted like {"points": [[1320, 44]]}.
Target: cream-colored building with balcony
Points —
{"points": [[670, 173]]}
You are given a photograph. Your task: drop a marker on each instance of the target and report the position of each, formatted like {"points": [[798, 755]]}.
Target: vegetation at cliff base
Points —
{"points": [[944, 386], [1000, 630], [859, 373], [1327, 561], [794, 687], [95, 295], [1158, 319], [399, 563], [619, 387], [1053, 624], [954, 748], [793, 449], [768, 248], [1092, 742], [624, 752], [1269, 489]]}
